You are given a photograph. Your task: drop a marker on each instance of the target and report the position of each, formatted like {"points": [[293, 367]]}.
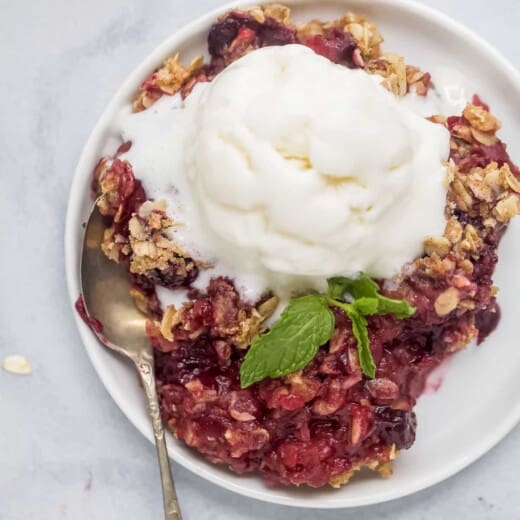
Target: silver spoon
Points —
{"points": [[105, 289]]}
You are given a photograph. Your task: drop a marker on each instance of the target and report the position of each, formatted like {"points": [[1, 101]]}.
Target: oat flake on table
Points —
{"points": [[16, 364]]}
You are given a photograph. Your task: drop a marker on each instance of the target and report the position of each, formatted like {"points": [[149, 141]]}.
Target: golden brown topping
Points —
{"points": [[196, 63], [257, 13], [145, 99], [171, 75], [250, 322], [453, 231], [451, 170], [471, 241], [151, 248], [109, 182], [248, 327], [509, 180], [366, 34], [393, 453], [336, 481], [461, 196], [465, 265], [114, 245], [467, 305], [487, 139], [148, 208], [435, 266], [311, 28], [507, 207], [108, 246], [392, 67], [488, 193], [413, 74], [447, 301], [170, 319], [267, 308], [479, 187], [439, 119], [385, 469], [462, 132], [166, 80], [481, 119], [279, 12], [460, 338], [439, 245]]}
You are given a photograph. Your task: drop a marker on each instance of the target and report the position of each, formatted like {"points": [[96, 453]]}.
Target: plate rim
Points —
{"points": [[73, 229]]}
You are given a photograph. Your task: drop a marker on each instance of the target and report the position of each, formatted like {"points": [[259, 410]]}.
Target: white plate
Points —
{"points": [[478, 404]]}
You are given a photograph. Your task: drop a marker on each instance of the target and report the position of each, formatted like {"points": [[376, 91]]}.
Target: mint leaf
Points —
{"points": [[337, 287], [383, 305], [293, 341], [356, 287], [360, 330], [366, 306], [368, 301], [400, 308]]}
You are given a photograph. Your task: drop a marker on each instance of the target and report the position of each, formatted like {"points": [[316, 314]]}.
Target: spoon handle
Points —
{"points": [[145, 368]]}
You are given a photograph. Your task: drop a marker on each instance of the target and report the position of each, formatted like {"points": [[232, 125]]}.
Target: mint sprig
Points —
{"points": [[365, 292], [366, 302], [307, 323]]}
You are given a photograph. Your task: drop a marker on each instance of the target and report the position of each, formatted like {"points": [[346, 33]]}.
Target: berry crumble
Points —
{"points": [[320, 424]]}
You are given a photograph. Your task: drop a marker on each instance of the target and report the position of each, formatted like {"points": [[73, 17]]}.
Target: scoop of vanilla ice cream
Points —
{"points": [[302, 167]]}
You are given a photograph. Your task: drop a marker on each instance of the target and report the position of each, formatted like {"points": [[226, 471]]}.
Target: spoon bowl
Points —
{"points": [[105, 288]]}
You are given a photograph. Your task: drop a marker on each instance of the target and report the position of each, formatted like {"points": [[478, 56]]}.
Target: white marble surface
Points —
{"points": [[66, 451]]}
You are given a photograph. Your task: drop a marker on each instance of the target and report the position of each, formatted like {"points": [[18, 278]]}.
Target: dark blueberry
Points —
{"points": [[486, 321], [396, 427], [272, 32], [171, 276], [222, 33]]}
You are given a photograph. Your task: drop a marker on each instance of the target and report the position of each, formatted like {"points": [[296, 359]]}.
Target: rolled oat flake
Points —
{"points": [[16, 364]]}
